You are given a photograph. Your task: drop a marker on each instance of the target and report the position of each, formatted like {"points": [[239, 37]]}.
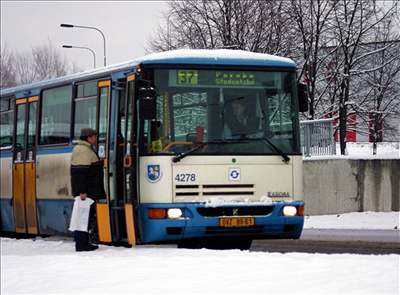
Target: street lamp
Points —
{"points": [[87, 48], [93, 28]]}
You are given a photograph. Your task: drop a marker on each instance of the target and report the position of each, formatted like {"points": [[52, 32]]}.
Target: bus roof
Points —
{"points": [[222, 57], [215, 57]]}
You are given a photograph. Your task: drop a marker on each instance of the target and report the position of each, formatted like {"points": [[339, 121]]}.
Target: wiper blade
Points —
{"points": [[202, 144], [278, 150]]}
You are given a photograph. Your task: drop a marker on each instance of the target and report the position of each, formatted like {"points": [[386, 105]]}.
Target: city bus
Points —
{"points": [[178, 168]]}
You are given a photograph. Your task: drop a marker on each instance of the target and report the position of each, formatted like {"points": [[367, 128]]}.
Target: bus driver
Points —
{"points": [[240, 120]]}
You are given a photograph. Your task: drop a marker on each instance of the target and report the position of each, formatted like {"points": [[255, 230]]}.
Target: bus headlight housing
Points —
{"points": [[162, 213], [289, 211], [174, 213]]}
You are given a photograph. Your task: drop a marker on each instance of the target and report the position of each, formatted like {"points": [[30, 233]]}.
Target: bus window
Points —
{"points": [[20, 129], [32, 125], [103, 114], [223, 105], [56, 115], [85, 107], [6, 123], [85, 115], [190, 112]]}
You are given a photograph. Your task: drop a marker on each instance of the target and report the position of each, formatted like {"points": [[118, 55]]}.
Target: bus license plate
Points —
{"points": [[236, 221]]}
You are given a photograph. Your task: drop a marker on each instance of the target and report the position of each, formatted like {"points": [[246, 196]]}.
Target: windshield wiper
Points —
{"points": [[202, 144], [278, 150]]}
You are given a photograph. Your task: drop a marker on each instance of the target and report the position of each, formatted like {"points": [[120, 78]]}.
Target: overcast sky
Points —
{"points": [[127, 27]]}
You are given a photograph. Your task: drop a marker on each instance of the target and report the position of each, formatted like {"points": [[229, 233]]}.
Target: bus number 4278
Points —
{"points": [[185, 177]]}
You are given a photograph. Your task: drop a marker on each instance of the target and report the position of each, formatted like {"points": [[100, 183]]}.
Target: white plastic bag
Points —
{"points": [[80, 214]]}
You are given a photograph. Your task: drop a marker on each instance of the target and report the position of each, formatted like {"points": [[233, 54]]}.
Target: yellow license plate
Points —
{"points": [[236, 221]]}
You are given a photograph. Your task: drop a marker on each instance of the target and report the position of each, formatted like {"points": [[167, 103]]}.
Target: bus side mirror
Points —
{"points": [[147, 103], [302, 95]]}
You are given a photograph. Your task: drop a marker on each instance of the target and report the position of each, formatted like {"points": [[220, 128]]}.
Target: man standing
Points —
{"points": [[87, 181]]}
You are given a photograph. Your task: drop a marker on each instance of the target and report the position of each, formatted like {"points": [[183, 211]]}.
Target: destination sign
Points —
{"points": [[206, 78], [188, 77], [235, 78]]}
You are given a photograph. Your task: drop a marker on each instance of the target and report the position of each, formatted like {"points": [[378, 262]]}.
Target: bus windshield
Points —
{"points": [[245, 111]]}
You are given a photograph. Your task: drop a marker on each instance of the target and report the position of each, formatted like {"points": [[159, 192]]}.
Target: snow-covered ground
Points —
{"points": [[389, 149], [355, 220], [44, 266], [364, 150]]}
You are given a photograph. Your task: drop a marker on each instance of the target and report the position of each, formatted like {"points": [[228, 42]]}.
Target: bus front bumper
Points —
{"points": [[201, 221]]}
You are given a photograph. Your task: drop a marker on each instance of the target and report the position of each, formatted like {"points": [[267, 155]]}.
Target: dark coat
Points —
{"points": [[87, 174], [239, 128]]}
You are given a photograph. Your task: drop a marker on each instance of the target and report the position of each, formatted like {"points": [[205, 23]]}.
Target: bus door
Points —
{"points": [[130, 161], [103, 206], [24, 165]]}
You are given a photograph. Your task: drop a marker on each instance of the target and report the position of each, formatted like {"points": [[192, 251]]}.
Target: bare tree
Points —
{"points": [[313, 19], [380, 87], [7, 70], [254, 25], [24, 70], [327, 38], [48, 62], [40, 63], [354, 22]]}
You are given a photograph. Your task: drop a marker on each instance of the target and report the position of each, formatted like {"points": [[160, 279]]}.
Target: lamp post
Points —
{"points": [[93, 28], [87, 48]]}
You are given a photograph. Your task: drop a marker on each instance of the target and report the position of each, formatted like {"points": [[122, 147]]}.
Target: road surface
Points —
{"points": [[336, 241]]}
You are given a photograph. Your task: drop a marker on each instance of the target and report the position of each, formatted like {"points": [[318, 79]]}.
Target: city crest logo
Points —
{"points": [[153, 173]]}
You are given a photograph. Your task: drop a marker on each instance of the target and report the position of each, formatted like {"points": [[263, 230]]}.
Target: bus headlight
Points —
{"points": [[289, 211], [174, 213]]}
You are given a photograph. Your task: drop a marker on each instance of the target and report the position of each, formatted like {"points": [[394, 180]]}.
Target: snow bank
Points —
{"points": [[44, 267], [363, 151], [355, 220]]}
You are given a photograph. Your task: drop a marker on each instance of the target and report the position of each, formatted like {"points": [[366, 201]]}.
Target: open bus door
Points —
{"points": [[129, 163], [103, 206], [115, 214], [24, 165]]}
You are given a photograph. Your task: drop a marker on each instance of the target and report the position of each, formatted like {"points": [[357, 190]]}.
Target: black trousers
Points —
{"points": [[92, 226], [82, 238]]}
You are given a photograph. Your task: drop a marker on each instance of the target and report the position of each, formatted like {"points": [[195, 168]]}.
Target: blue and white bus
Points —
{"points": [[178, 167]]}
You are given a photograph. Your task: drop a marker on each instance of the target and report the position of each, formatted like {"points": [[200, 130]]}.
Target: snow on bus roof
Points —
{"points": [[221, 57], [218, 56]]}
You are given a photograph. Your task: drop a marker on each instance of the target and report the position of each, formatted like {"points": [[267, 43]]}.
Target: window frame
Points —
{"points": [[73, 123], [40, 116], [10, 109], [150, 74]]}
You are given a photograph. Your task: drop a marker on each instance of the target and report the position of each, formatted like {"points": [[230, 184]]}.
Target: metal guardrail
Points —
{"points": [[317, 137]]}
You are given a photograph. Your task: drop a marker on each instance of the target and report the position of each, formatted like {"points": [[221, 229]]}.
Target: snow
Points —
{"points": [[217, 201], [355, 220], [215, 54], [44, 266], [363, 151]]}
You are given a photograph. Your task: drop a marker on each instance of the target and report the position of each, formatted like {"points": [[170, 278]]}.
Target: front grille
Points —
{"points": [[235, 211], [212, 190]]}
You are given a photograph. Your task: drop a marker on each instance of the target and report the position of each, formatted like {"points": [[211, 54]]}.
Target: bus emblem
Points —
{"points": [[153, 173], [234, 174]]}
